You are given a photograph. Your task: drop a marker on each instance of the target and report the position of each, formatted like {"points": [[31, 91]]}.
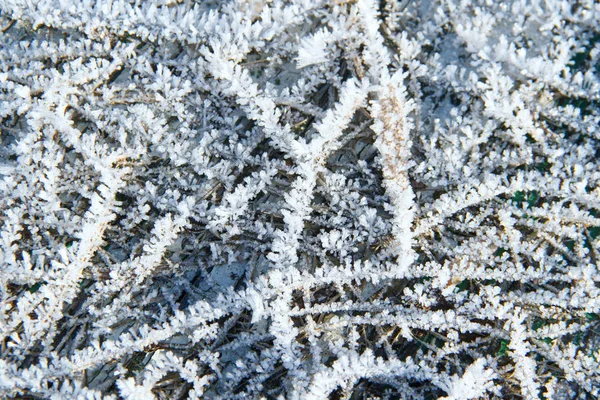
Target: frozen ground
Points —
{"points": [[299, 199]]}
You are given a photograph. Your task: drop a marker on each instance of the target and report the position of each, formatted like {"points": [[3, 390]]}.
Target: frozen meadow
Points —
{"points": [[299, 199]]}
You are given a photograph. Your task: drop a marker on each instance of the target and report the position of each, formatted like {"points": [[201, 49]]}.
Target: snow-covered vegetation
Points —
{"points": [[299, 199]]}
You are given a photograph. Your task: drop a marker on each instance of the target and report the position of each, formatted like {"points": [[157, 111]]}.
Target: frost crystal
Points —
{"points": [[296, 199]]}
